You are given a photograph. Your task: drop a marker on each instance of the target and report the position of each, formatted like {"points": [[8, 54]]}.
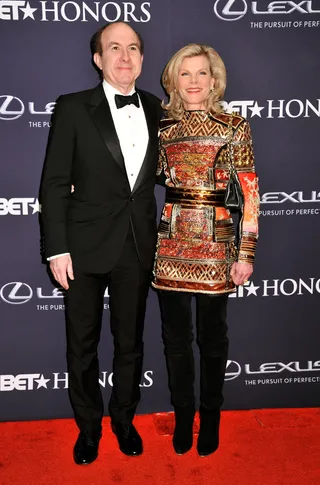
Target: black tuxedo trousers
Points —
{"points": [[128, 284]]}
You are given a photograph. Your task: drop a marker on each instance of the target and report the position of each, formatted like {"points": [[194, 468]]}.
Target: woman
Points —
{"points": [[196, 252]]}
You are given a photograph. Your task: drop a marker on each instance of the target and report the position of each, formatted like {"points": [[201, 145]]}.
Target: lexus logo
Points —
{"points": [[16, 293], [233, 370], [11, 108], [230, 10]]}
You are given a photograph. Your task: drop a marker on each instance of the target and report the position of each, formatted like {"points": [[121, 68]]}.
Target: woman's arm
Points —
{"points": [[248, 234]]}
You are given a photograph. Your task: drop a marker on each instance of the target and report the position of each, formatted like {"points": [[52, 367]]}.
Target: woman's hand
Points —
{"points": [[240, 272]]}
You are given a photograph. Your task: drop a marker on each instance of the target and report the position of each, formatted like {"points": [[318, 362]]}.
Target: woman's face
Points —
{"points": [[194, 82]]}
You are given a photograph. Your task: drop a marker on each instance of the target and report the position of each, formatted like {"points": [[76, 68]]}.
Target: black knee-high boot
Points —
{"points": [[183, 431], [212, 380], [181, 377], [177, 337], [213, 345]]}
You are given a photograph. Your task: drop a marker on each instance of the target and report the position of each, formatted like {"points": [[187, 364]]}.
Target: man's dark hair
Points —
{"points": [[96, 45]]}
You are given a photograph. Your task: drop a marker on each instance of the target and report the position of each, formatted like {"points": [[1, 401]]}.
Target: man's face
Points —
{"points": [[121, 60]]}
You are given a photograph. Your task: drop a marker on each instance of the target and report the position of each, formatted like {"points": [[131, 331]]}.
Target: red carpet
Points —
{"points": [[261, 447]]}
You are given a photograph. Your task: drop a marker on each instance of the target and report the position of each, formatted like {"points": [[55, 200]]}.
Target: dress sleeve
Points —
{"points": [[162, 165], [245, 166]]}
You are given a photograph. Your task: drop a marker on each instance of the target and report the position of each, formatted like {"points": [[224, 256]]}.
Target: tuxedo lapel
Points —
{"points": [[152, 121], [101, 114]]}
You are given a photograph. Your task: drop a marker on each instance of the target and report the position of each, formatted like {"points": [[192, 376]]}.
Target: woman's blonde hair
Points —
{"points": [[170, 75]]}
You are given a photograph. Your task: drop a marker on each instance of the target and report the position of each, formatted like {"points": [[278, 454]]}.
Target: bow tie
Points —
{"points": [[122, 101]]}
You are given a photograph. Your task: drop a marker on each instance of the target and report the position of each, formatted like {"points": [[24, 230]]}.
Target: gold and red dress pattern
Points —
{"points": [[196, 238]]}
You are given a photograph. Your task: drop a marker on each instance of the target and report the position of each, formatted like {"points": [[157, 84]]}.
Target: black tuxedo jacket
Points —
{"points": [[83, 150]]}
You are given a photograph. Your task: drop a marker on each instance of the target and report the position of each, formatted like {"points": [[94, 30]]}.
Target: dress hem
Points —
{"points": [[168, 288]]}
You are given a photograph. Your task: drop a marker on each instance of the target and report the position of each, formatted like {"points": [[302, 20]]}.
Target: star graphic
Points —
{"points": [[42, 382], [36, 207], [256, 110], [251, 289], [28, 11]]}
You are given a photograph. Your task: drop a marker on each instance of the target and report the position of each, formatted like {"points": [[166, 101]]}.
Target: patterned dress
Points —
{"points": [[196, 238]]}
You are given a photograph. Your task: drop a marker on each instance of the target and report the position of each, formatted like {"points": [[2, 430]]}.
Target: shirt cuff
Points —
{"points": [[57, 256]]}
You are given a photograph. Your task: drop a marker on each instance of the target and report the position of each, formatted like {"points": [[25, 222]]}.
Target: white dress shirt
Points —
{"points": [[132, 131], [131, 127]]}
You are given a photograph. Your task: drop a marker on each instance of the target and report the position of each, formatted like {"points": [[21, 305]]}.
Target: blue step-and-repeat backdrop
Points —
{"points": [[271, 50]]}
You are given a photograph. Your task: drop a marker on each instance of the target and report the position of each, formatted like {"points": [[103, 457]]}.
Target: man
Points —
{"points": [[103, 144]]}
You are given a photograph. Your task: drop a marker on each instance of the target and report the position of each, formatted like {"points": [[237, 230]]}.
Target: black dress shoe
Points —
{"points": [[208, 439], [183, 431], [86, 448], [130, 442]]}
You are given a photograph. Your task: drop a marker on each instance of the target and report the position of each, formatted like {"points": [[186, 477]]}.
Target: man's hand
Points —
{"points": [[61, 267], [240, 272]]}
